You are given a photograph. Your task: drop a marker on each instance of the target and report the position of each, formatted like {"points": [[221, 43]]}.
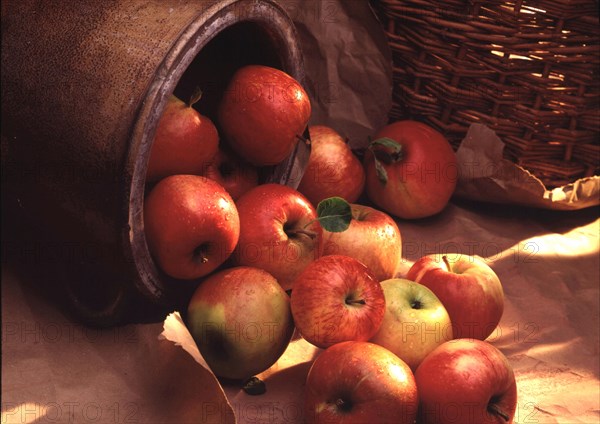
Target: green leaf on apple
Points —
{"points": [[391, 153], [334, 214], [381, 172], [394, 149]]}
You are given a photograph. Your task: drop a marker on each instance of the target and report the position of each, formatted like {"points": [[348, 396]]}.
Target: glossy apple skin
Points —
{"points": [[235, 175], [332, 169], [241, 321], [262, 113], [459, 378], [420, 184], [470, 291], [415, 321], [187, 217], [360, 382], [323, 301], [269, 213], [373, 238], [184, 141]]}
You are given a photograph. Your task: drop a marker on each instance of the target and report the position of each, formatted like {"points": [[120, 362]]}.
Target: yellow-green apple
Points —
{"points": [[279, 232], [411, 170], [373, 238], [191, 225], [332, 169], [466, 381], [415, 321], [240, 320], [360, 382], [335, 299], [263, 113], [234, 174], [469, 289], [184, 141]]}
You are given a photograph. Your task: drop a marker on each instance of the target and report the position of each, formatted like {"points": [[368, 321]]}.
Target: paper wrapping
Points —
{"points": [[348, 65], [484, 175], [284, 380]]}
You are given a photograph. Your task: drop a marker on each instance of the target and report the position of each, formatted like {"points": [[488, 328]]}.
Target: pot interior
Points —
{"points": [[241, 43]]}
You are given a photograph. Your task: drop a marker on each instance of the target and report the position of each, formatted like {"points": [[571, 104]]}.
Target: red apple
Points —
{"points": [[184, 141], [191, 225], [411, 170], [415, 321], [360, 382], [235, 175], [241, 321], [469, 289], [263, 113], [278, 232], [336, 299], [332, 169], [466, 381], [373, 238]]}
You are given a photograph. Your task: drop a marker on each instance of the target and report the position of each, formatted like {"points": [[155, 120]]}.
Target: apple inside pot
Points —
{"points": [[263, 113], [233, 173], [191, 224]]}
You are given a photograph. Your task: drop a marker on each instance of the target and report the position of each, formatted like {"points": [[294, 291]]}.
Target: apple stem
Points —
{"points": [[356, 302], [200, 254], [494, 409], [343, 405], [303, 139], [202, 258], [309, 233], [195, 97], [445, 259]]}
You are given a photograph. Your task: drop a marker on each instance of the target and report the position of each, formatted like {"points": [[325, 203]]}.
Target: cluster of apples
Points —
{"points": [[192, 223], [404, 349], [269, 260]]}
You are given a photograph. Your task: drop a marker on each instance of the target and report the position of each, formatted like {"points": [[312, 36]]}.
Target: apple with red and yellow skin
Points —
{"points": [[235, 175], [191, 225], [469, 289], [263, 113], [360, 382], [335, 299], [415, 321], [332, 169], [411, 170], [184, 141], [240, 320], [466, 381], [279, 232], [373, 238]]}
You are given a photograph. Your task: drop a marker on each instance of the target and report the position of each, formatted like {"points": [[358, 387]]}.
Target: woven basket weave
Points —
{"points": [[527, 69]]}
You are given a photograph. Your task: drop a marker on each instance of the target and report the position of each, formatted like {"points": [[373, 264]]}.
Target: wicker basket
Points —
{"points": [[527, 69]]}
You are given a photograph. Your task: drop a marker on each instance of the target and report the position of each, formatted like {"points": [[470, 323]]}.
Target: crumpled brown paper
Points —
{"points": [[348, 65], [484, 175], [284, 380]]}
